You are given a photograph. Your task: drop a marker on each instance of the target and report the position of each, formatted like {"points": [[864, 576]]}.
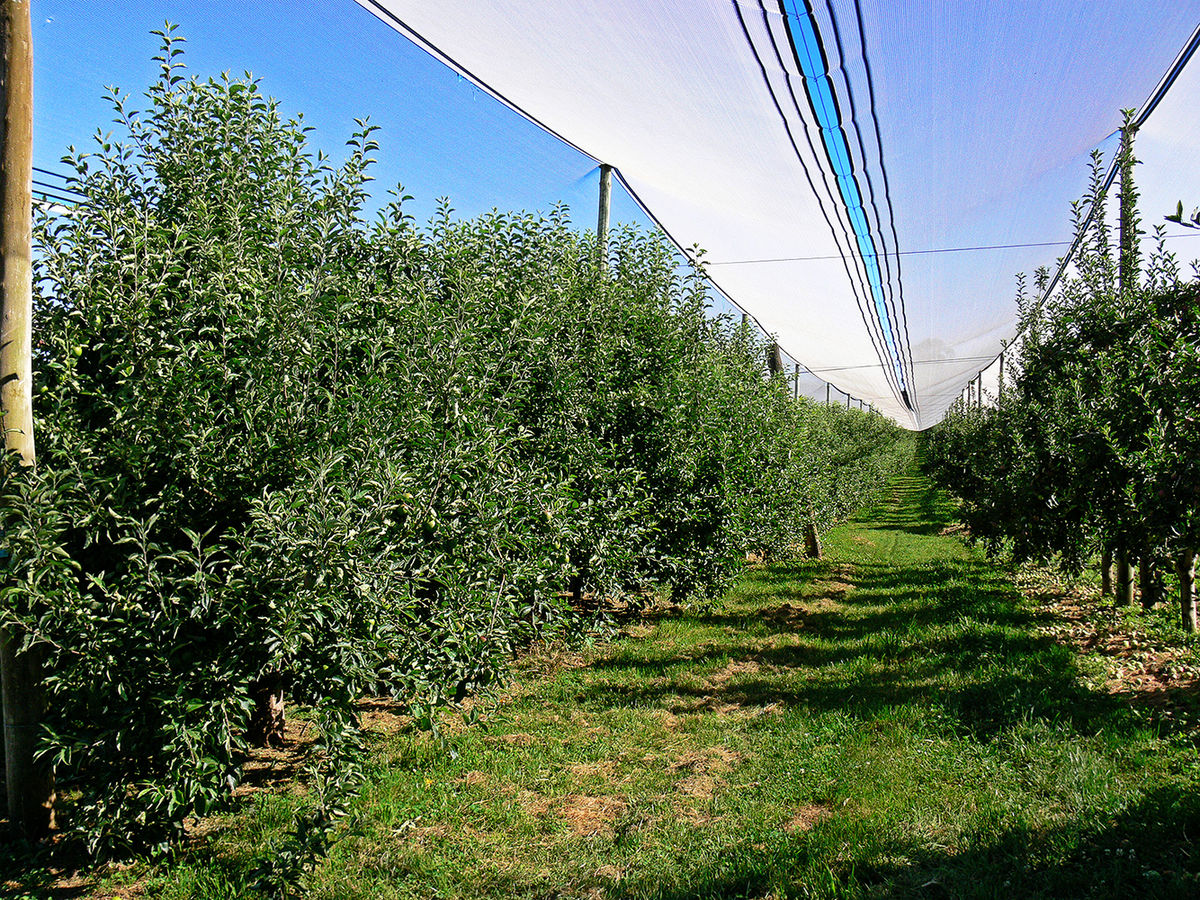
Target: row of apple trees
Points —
{"points": [[284, 451], [1092, 451]]}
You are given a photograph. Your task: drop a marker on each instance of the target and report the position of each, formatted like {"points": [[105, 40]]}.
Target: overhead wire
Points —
{"points": [[778, 259], [1143, 113]]}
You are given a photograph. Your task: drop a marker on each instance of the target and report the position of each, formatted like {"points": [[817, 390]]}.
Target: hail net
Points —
{"points": [[866, 177]]}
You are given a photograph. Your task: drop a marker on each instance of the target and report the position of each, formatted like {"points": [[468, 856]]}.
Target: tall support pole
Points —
{"points": [[827, 387], [1127, 258], [979, 391], [603, 214], [1125, 262], [30, 786], [796, 383], [847, 401], [1000, 389]]}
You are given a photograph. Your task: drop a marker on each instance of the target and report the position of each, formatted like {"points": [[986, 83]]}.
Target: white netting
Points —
{"points": [[879, 247]]}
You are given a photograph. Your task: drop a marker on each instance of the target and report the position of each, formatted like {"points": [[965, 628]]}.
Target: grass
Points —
{"points": [[895, 720]]}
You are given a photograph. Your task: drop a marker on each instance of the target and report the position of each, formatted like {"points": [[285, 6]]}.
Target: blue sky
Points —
{"points": [[331, 60]]}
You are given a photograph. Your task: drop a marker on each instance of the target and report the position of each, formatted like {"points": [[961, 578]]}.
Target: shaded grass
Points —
{"points": [[891, 721]]}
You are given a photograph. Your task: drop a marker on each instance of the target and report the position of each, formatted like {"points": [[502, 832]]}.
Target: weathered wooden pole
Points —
{"points": [[1127, 257], [827, 387], [796, 383], [30, 786], [1000, 389], [603, 214]]}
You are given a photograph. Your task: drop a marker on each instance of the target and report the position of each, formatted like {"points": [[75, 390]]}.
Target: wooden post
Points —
{"points": [[796, 384], [827, 387], [979, 391], [602, 217], [1124, 595], [847, 401], [1000, 390], [1186, 567], [30, 786]]}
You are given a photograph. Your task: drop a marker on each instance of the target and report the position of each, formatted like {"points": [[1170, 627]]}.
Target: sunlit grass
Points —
{"points": [[889, 721]]}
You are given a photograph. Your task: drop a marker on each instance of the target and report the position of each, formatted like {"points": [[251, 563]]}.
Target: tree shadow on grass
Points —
{"points": [[1144, 851], [915, 506], [947, 635], [44, 870]]}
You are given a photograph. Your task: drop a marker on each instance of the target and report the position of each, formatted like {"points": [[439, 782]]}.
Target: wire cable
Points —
{"points": [[742, 262]]}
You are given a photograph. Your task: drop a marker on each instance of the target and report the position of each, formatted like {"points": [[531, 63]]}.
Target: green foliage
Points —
{"points": [[1095, 444], [890, 721], [282, 446]]}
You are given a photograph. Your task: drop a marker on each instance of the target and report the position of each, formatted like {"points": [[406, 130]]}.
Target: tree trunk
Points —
{"points": [[267, 715], [1124, 595], [812, 543], [1187, 589], [1148, 582], [1106, 585], [30, 783], [578, 562]]}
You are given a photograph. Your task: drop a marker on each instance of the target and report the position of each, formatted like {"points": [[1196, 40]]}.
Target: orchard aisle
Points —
{"points": [[890, 721]]}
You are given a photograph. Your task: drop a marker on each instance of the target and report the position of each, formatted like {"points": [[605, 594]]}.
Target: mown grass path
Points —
{"points": [[890, 721]]}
